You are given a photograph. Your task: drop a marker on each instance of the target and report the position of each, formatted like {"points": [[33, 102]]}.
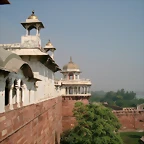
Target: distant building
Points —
{"points": [[73, 89], [140, 107]]}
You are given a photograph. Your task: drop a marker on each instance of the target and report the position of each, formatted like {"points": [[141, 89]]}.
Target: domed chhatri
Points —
{"points": [[49, 44], [32, 22], [33, 16], [71, 65], [49, 47]]}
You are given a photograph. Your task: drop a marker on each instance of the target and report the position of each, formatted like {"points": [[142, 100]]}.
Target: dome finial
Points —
{"points": [[70, 59], [33, 12], [33, 16]]}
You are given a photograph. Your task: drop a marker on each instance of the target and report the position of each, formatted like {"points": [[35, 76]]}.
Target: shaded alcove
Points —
{"points": [[7, 91]]}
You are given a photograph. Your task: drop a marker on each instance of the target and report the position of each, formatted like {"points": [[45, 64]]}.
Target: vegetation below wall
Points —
{"points": [[131, 137], [120, 98], [96, 124]]}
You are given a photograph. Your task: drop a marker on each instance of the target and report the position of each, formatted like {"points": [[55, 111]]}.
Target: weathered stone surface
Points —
{"points": [[131, 120], [68, 120], [37, 123]]}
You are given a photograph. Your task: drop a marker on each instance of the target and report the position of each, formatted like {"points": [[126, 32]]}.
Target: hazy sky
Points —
{"points": [[104, 37]]}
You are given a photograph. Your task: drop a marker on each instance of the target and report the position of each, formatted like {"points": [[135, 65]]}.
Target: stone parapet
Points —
{"points": [[36, 123], [77, 95], [127, 111], [76, 82], [130, 119], [68, 120], [14, 45]]}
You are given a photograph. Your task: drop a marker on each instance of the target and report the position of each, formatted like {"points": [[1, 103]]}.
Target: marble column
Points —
{"points": [[27, 32], [88, 89], [74, 76], [77, 90], [29, 96], [17, 96], [11, 98], [78, 76], [23, 93]]}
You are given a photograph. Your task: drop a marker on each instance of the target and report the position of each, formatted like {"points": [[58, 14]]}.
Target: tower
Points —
{"points": [[32, 22], [51, 48], [73, 89]]}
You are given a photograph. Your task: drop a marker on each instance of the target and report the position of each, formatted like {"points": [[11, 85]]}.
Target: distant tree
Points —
{"points": [[96, 96], [120, 98], [95, 125]]}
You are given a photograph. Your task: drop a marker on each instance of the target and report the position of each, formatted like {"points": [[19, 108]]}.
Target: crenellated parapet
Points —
{"points": [[6, 46], [126, 112], [130, 119]]}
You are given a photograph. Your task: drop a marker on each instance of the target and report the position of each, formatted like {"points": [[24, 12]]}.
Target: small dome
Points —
{"points": [[71, 65], [32, 16], [49, 44]]}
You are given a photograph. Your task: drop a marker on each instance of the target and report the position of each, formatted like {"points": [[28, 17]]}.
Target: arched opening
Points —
{"points": [[66, 90], [32, 31], [71, 76], [70, 90], [7, 91], [27, 71], [15, 83], [85, 90], [75, 90], [65, 76], [21, 83], [79, 90]]}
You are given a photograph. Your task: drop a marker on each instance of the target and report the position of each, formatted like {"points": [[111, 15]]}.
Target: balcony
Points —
{"points": [[76, 81], [87, 94]]}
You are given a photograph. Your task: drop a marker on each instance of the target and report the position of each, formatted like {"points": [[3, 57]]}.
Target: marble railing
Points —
{"points": [[10, 45]]}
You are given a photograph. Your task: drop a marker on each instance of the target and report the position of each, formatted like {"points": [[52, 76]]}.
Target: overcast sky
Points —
{"points": [[104, 37]]}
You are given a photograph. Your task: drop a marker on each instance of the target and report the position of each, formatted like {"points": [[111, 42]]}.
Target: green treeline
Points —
{"points": [[120, 98]]}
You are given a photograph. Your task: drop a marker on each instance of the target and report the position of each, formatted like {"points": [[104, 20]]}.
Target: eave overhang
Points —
{"points": [[4, 2], [49, 63], [32, 25]]}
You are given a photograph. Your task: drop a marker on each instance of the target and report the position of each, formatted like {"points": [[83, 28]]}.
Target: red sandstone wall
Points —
{"points": [[34, 124], [131, 120], [68, 103]]}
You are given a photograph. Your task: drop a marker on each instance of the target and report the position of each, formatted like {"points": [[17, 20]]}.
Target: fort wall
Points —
{"points": [[68, 102], [37, 123], [130, 119]]}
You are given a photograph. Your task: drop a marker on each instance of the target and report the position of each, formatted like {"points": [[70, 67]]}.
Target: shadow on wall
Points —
{"points": [[56, 140], [50, 74]]}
